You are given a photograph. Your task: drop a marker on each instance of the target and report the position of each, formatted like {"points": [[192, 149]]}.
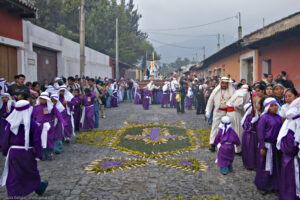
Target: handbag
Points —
{"points": [[178, 97]]}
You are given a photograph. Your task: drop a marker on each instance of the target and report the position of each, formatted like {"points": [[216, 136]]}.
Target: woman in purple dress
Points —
{"points": [[225, 140], [87, 119], [268, 157], [22, 147], [249, 140], [288, 142]]}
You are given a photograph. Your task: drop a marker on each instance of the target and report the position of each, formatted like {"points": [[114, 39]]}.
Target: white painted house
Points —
{"points": [[46, 55]]}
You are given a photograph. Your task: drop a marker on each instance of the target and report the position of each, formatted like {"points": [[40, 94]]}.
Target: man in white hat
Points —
{"points": [[235, 110], [219, 98]]}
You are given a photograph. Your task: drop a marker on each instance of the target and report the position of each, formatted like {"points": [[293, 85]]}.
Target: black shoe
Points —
{"points": [[212, 148], [263, 192], [238, 154], [41, 190]]}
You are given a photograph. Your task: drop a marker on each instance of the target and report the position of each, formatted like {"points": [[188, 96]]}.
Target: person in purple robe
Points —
{"points": [[249, 139], [174, 87], [268, 157], [165, 99], [5, 110], [190, 97], [146, 100], [137, 98], [44, 114], [87, 119], [58, 126], [288, 142], [114, 98], [225, 140], [65, 97], [22, 148], [76, 109]]}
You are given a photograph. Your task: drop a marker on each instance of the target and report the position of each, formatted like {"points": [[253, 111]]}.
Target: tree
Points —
{"points": [[62, 17]]}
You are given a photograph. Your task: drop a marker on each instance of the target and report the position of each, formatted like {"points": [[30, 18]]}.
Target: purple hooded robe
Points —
{"points": [[41, 118], [88, 103], [249, 144], [226, 151], [268, 128], [23, 175]]}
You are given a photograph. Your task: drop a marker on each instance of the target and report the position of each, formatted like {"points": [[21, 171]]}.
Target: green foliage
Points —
{"points": [[62, 17]]}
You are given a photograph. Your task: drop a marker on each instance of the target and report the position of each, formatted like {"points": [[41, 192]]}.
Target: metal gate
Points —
{"points": [[8, 62], [46, 64]]}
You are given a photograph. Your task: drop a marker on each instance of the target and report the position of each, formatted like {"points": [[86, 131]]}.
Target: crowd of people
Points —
{"points": [[260, 122], [36, 120]]}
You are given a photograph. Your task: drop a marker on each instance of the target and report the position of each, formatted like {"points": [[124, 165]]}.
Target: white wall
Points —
{"points": [[68, 54]]}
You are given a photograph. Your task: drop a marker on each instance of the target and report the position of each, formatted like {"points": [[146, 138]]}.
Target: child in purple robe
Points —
{"points": [[87, 119], [76, 109], [22, 147], [44, 114], [58, 126], [288, 142], [65, 97], [268, 159], [146, 100], [249, 140], [225, 140], [5, 110]]}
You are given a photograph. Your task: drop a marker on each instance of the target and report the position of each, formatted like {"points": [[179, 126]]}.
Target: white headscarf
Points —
{"points": [[267, 103], [50, 89], [292, 122], [45, 95], [9, 102], [21, 115], [248, 110], [58, 105], [68, 95], [225, 124]]}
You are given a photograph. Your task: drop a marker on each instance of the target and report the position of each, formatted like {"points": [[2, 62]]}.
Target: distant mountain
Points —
{"points": [[170, 53]]}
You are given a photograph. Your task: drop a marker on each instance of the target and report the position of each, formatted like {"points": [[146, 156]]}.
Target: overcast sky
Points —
{"points": [[168, 14]]}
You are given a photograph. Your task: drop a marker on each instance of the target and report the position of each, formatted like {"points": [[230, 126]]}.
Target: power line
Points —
{"points": [[196, 26], [183, 35], [173, 45]]}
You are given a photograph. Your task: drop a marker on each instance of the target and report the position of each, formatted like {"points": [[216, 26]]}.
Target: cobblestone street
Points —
{"points": [[69, 180]]}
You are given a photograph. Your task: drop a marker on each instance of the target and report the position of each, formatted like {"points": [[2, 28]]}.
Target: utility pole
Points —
{"points": [[240, 35], [218, 45], [82, 38], [117, 49]]}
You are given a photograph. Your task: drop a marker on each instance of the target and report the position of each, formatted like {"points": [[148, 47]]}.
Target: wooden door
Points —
{"points": [[46, 64], [8, 62]]}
